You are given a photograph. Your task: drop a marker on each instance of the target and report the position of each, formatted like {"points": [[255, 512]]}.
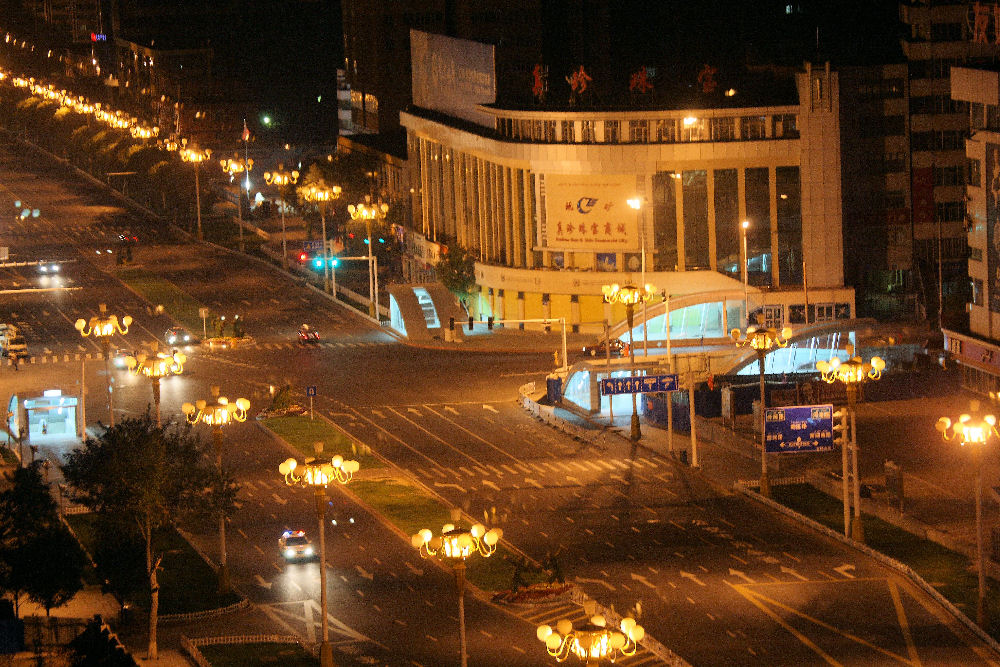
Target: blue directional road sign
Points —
{"points": [[311, 390], [638, 384], [312, 246], [799, 428]]}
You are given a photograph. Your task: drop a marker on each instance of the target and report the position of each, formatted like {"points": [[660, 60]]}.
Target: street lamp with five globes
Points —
{"points": [[284, 180], [591, 641], [317, 473], [628, 296], [322, 194], [103, 326], [234, 166], [154, 366]]}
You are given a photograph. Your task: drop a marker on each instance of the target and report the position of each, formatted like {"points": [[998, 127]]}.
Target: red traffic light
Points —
{"points": [[303, 257]]}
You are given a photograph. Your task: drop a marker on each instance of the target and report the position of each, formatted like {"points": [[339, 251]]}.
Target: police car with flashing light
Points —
{"points": [[294, 545]]}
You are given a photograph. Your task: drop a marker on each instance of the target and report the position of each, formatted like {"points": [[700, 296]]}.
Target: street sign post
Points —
{"points": [[310, 392], [203, 314], [638, 384], [799, 428]]}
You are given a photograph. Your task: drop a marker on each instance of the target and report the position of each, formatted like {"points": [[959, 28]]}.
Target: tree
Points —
{"points": [[457, 270], [57, 564], [27, 513], [143, 477]]}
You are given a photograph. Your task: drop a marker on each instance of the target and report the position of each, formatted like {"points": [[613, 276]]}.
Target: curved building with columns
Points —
{"points": [[541, 198]]}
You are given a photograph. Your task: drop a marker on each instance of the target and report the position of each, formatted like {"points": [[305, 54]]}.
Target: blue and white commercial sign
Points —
{"points": [[799, 428], [638, 384], [311, 390]]}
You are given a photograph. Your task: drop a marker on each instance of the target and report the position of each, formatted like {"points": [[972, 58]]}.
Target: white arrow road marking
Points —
{"points": [[379, 414], [528, 480], [788, 570], [364, 573], [414, 411], [490, 484], [599, 582], [451, 409], [842, 570], [278, 499], [741, 575], [642, 580], [260, 582], [491, 409], [693, 578], [443, 485], [414, 569]]}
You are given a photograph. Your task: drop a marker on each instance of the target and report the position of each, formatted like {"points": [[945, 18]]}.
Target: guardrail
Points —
{"points": [[191, 645]]}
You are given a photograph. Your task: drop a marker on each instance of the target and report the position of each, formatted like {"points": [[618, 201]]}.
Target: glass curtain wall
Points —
{"points": [[665, 221], [758, 206], [695, 199], [789, 217], [727, 232]]}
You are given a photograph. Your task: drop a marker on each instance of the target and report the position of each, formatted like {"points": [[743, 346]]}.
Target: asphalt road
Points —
{"points": [[718, 580]]}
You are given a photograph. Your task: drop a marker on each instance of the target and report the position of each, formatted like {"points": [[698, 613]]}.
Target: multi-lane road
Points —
{"points": [[718, 579]]}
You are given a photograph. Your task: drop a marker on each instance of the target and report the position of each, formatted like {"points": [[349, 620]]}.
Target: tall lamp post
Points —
{"points": [[235, 166], [217, 414], [592, 641], [853, 373], [284, 180], [321, 194], [453, 546], [196, 156], [367, 211], [974, 431], [628, 296], [745, 270], [154, 366], [317, 473], [762, 341], [103, 327]]}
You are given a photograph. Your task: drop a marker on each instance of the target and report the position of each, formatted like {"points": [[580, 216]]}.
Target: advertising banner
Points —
{"points": [[587, 212], [993, 224], [799, 428]]}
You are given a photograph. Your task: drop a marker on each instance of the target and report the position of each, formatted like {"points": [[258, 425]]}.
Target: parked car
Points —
{"points": [[120, 358], [618, 348], [295, 545]]}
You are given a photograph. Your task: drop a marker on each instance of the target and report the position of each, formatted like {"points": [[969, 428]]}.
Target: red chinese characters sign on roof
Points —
{"points": [[590, 213]]}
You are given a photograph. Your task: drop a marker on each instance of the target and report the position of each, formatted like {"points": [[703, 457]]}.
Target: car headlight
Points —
{"points": [[289, 553], [309, 551], [187, 338]]}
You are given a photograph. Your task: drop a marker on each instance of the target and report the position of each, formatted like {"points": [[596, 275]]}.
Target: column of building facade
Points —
{"points": [[517, 210], [527, 211], [508, 219], [478, 173], [425, 193]]}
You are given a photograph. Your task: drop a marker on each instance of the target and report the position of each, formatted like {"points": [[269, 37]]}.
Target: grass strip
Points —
{"points": [[262, 653], [301, 432], [410, 508], [179, 304], [951, 573], [187, 583]]}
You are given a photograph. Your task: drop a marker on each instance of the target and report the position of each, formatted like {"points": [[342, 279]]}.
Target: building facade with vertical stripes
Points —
{"points": [[540, 198]]}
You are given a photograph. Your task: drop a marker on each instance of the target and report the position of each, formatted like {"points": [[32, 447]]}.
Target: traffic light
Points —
{"points": [[303, 257], [489, 323], [470, 322], [840, 426]]}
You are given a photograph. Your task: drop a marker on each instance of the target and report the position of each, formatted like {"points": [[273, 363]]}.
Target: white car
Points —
{"points": [[295, 545], [178, 336]]}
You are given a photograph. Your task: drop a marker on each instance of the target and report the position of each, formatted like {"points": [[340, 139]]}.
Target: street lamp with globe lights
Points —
{"points": [[591, 641], [453, 546], [103, 326], [284, 180], [234, 166], [196, 157], [322, 194], [762, 340], [974, 431], [218, 414], [317, 473], [853, 373], [368, 212], [628, 296], [154, 366]]}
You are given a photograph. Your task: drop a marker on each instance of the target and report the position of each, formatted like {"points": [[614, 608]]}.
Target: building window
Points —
{"points": [[723, 129], [773, 316], [946, 32], [694, 186], [973, 177], [949, 176], [587, 131], [893, 88], [893, 126], [638, 131], [977, 292], [612, 131], [949, 211], [694, 129], [753, 127], [567, 131], [784, 126], [895, 199], [954, 345], [548, 131], [993, 117], [894, 162], [666, 130], [824, 312], [975, 254], [977, 116], [789, 221]]}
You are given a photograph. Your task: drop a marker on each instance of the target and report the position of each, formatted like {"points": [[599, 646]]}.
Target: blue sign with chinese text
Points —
{"points": [[799, 428], [638, 384], [311, 390]]}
